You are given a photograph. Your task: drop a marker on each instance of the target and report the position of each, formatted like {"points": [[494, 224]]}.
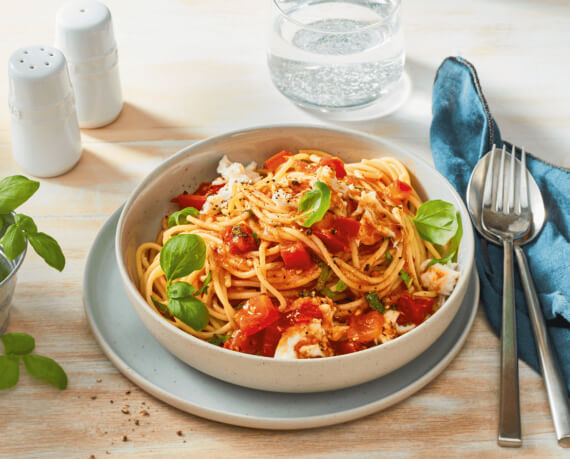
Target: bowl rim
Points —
{"points": [[468, 237]]}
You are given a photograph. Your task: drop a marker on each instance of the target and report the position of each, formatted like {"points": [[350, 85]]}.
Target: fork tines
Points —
{"points": [[503, 193]]}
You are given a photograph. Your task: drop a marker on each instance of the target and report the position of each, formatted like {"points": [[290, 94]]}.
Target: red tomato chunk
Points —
{"points": [[365, 327], [335, 164], [198, 198], [257, 313], [295, 255], [276, 160], [414, 309], [240, 239], [336, 232]]}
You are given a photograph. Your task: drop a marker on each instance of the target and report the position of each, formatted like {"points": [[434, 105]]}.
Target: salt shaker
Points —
{"points": [[84, 33], [45, 132]]}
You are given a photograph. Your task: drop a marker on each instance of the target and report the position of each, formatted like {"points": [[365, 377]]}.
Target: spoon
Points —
{"points": [[555, 385]]}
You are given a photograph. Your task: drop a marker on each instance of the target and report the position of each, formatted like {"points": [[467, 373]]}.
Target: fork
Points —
{"points": [[506, 215]]}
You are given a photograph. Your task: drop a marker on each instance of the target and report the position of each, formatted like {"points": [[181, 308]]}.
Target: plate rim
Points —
{"points": [[257, 421]]}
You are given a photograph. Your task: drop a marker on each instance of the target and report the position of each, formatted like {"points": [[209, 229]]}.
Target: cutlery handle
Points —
{"points": [[555, 385], [509, 415]]}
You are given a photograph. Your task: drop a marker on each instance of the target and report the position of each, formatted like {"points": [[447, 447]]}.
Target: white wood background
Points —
{"points": [[195, 68]]}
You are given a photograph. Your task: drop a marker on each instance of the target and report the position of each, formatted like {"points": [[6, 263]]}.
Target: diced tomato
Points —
{"points": [[206, 189], [306, 167], [304, 312], [334, 242], [347, 347], [198, 198], [190, 200], [414, 309], [335, 164], [241, 342], [240, 239], [276, 160], [347, 226], [295, 255], [271, 336], [257, 313], [365, 327], [400, 190], [336, 232]]}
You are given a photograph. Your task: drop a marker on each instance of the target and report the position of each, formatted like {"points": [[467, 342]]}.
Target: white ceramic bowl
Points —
{"points": [[150, 201]]}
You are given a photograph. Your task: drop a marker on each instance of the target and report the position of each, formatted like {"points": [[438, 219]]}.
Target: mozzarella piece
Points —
{"points": [[281, 198], [230, 173], [440, 278], [303, 342]]}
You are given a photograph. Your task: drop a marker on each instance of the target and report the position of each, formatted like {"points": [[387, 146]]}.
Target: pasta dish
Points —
{"points": [[303, 257]]}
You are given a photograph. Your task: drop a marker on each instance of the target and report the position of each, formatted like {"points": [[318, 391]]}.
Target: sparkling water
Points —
{"points": [[336, 55]]}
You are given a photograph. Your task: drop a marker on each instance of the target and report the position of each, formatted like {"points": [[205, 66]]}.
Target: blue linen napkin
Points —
{"points": [[462, 131]]}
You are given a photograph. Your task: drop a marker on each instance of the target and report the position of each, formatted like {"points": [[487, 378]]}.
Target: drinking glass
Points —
{"points": [[336, 54]]}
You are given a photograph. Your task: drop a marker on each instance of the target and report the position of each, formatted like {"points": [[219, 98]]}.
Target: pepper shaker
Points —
{"points": [[84, 33], [45, 132]]}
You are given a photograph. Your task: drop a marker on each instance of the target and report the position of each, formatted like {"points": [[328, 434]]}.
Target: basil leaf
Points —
{"points": [[163, 309], [323, 276], [18, 343], [9, 372], [191, 311], [219, 340], [179, 217], [46, 369], [181, 255], [315, 203], [48, 248], [406, 278], [452, 248], [180, 290], [14, 191], [13, 242], [329, 293], [436, 221], [375, 302], [204, 288], [25, 223], [340, 286], [388, 257]]}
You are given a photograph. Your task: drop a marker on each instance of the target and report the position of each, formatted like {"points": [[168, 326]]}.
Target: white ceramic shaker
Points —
{"points": [[45, 133], [84, 32]]}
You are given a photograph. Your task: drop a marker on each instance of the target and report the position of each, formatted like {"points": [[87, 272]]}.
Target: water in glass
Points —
{"points": [[336, 54]]}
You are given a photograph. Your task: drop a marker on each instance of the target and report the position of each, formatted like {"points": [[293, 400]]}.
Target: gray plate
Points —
{"points": [[134, 351]]}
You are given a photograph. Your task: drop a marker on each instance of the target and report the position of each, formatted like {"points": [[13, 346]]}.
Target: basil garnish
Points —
{"points": [[179, 217], [18, 346], [181, 255], [315, 203], [375, 302], [436, 221], [406, 278]]}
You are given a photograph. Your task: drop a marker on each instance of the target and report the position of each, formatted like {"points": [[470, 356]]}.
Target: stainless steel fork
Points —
{"points": [[506, 214]]}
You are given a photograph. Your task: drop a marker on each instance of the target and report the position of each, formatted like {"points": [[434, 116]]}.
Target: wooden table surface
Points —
{"points": [[195, 68]]}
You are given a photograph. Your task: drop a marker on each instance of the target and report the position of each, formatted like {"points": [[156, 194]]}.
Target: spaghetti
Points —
{"points": [[305, 257]]}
